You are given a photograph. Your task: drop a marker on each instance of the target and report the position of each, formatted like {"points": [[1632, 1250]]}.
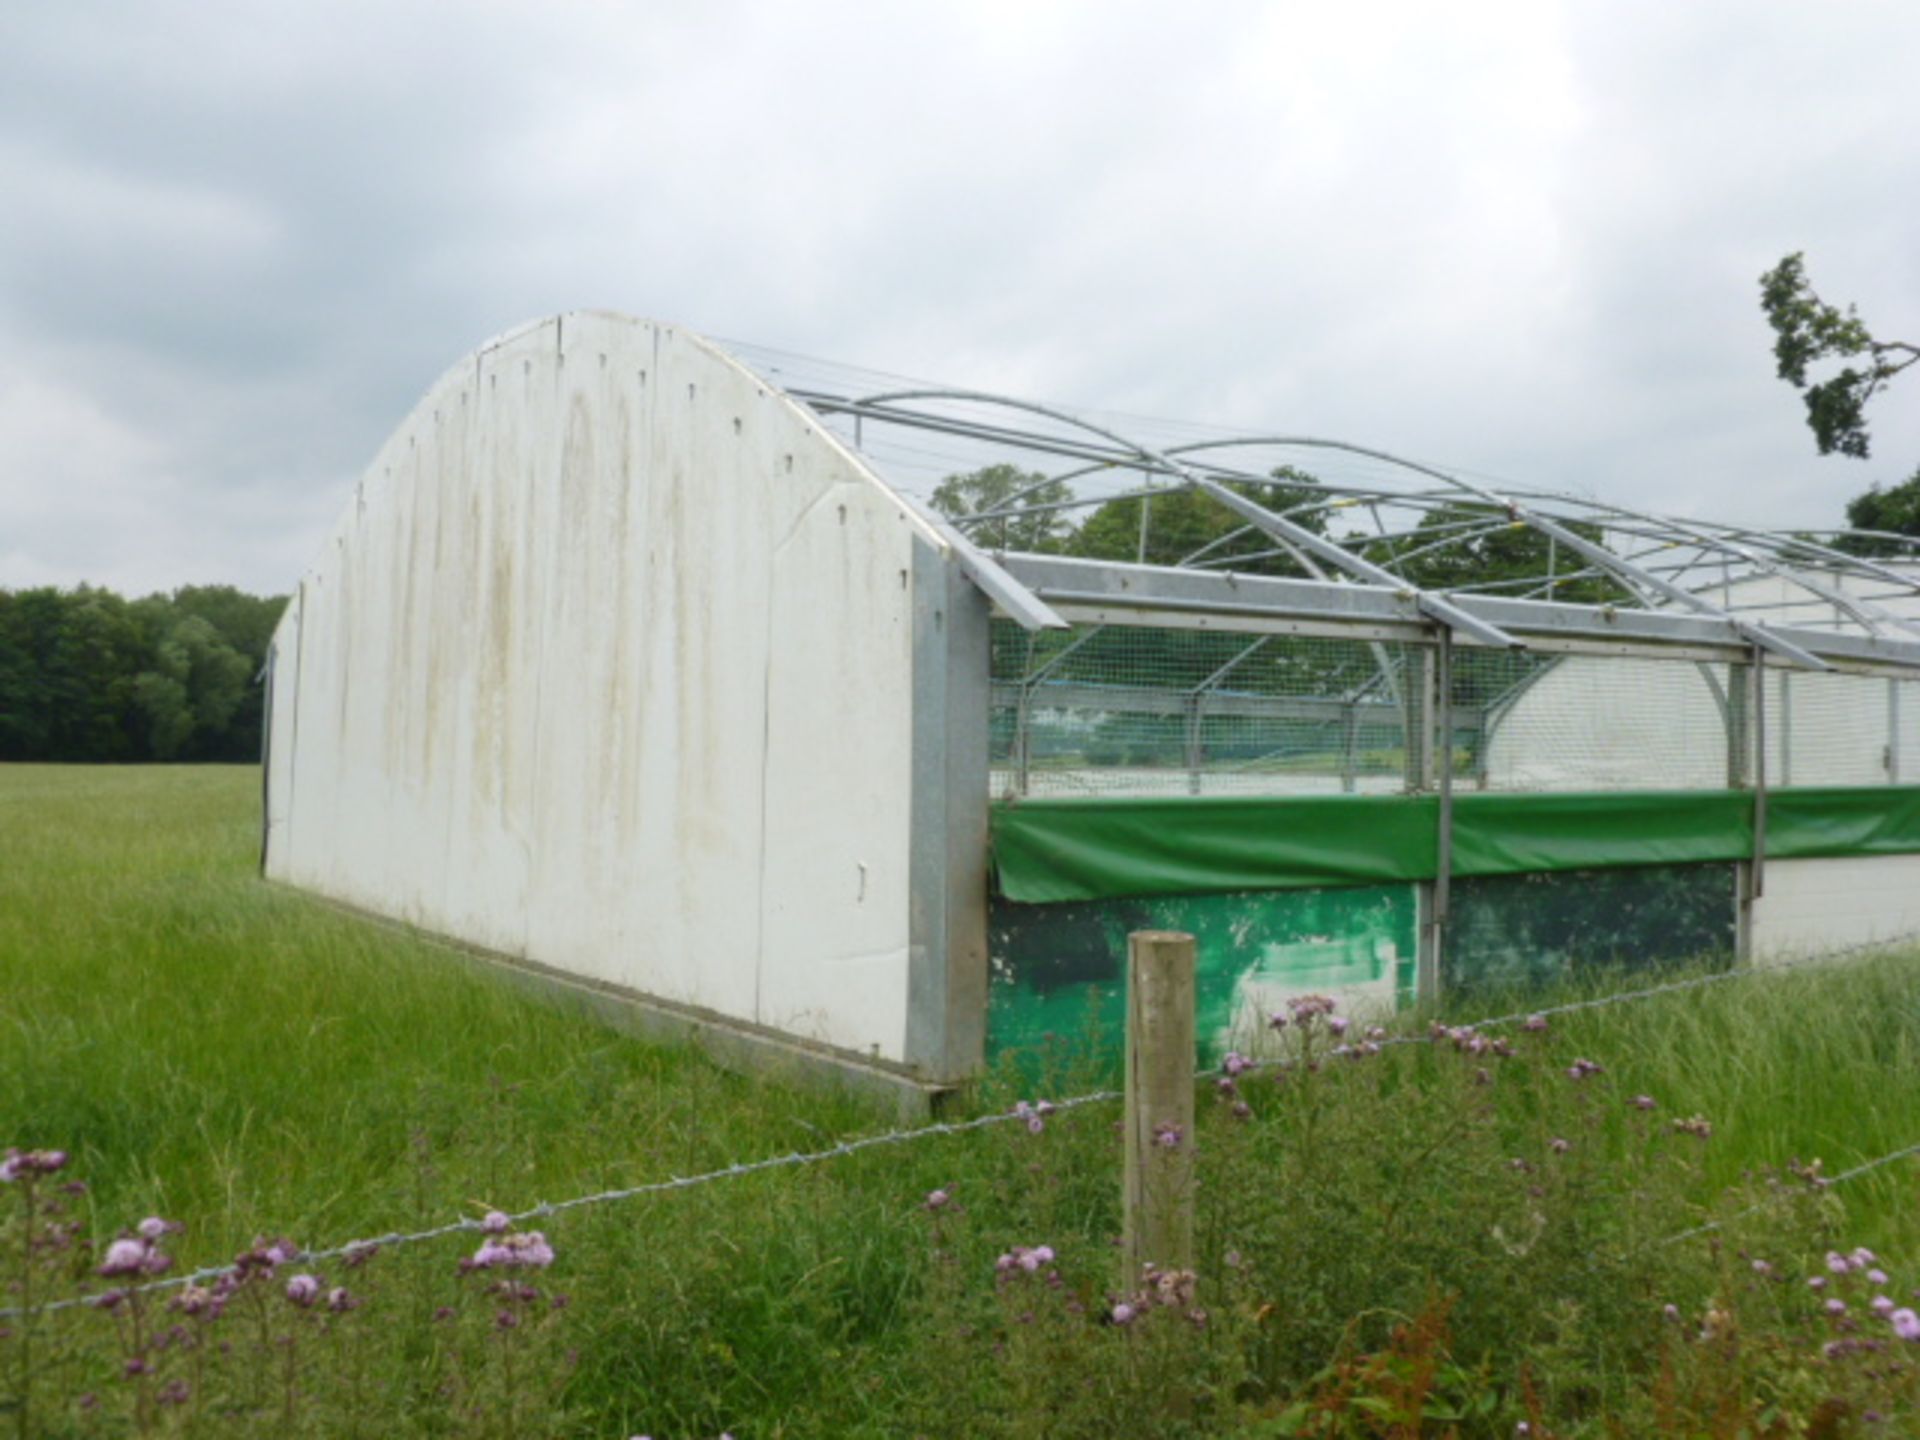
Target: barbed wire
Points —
{"points": [[1616, 997], [473, 1226], [1865, 1167], [1022, 1114]]}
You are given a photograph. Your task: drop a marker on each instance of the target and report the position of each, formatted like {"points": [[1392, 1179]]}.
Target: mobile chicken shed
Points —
{"points": [[645, 669]]}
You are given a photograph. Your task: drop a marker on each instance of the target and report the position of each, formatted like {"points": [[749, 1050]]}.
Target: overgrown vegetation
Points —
{"points": [[86, 675], [1455, 1237]]}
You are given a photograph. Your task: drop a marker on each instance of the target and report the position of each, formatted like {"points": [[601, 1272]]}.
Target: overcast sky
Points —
{"points": [[238, 241]]}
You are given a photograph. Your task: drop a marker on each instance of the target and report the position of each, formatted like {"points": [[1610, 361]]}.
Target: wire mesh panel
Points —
{"points": [[1832, 729], [1140, 710], [1587, 722], [1116, 709]]}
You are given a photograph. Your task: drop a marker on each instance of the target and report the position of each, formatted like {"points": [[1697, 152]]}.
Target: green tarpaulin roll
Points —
{"points": [[1092, 849]]}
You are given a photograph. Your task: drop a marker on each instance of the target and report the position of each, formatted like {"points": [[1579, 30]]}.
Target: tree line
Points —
{"points": [[88, 675]]}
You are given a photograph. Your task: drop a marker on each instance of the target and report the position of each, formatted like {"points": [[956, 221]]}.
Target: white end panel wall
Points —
{"points": [[609, 666], [1814, 906]]}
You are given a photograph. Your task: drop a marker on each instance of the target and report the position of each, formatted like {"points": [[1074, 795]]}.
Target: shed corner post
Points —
{"points": [[948, 866]]}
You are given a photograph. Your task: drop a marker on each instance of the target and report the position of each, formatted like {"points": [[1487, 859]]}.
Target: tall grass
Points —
{"points": [[237, 1057]]}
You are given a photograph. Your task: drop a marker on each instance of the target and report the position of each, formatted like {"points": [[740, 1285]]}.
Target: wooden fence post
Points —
{"points": [[1159, 1122]]}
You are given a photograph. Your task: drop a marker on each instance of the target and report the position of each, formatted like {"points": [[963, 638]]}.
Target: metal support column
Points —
{"points": [[1436, 772], [1893, 732], [1194, 702], [1759, 885], [1786, 727]]}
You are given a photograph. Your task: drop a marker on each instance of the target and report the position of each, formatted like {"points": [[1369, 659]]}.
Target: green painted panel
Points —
{"points": [[1520, 931], [1059, 969]]}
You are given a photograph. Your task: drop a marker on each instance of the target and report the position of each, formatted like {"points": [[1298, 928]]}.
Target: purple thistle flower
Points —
{"points": [[125, 1256], [1559, 1146], [1642, 1102], [1816, 1282], [495, 1222], [193, 1300], [303, 1290], [339, 1301], [31, 1162], [1877, 1276], [1836, 1307], [1168, 1135], [1882, 1306], [937, 1200], [1123, 1313], [1906, 1324], [1838, 1263], [1338, 1024], [1534, 1024]]}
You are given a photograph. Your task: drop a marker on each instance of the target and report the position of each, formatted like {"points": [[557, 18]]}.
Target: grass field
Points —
{"points": [[236, 1057]]}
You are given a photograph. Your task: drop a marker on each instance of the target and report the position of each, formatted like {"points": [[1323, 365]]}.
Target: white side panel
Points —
{"points": [[1814, 906], [609, 666]]}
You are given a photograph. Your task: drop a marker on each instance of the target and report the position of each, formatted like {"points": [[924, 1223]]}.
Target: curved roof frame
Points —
{"points": [[1800, 561], [1277, 526]]}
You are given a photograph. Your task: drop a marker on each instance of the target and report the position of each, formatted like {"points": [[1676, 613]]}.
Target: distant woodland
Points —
{"points": [[88, 675]]}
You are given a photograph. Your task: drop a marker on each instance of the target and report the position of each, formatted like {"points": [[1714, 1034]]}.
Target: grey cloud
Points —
{"points": [[1523, 240]]}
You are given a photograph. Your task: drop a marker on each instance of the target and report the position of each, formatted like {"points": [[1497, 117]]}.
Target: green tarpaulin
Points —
{"points": [[1093, 849]]}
